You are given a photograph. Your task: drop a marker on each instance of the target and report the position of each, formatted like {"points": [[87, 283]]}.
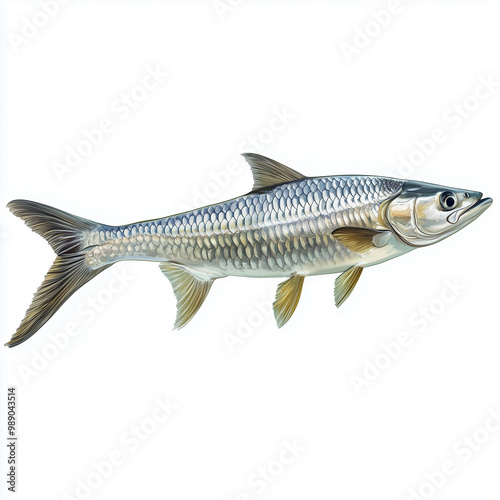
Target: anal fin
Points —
{"points": [[345, 283], [287, 298], [190, 291]]}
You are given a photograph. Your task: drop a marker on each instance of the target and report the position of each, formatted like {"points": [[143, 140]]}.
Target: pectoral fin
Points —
{"points": [[345, 283], [287, 298], [190, 291], [359, 239]]}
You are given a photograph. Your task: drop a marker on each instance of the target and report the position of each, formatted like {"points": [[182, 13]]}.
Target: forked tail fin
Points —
{"points": [[68, 236]]}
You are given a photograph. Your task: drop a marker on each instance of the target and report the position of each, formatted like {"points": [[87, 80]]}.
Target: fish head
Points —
{"points": [[423, 214]]}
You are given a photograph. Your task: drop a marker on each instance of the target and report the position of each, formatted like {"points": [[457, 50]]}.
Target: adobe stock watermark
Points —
{"points": [[462, 450], [247, 325], [260, 480], [31, 27], [130, 441], [223, 7], [121, 109], [453, 118], [255, 143], [418, 323], [86, 312], [364, 35]]}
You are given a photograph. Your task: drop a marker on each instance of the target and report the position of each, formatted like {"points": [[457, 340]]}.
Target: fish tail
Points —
{"points": [[68, 235]]}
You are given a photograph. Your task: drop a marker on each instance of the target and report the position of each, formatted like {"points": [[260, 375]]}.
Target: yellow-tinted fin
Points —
{"points": [[345, 283], [190, 291], [359, 239], [287, 298], [267, 172]]}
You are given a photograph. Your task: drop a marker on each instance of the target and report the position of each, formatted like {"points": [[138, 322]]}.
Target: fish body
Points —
{"points": [[283, 230], [289, 226]]}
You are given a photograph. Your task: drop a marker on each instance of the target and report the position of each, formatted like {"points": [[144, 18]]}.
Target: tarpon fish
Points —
{"points": [[289, 226]]}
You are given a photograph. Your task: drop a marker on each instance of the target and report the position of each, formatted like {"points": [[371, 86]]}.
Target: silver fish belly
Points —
{"points": [[289, 225]]}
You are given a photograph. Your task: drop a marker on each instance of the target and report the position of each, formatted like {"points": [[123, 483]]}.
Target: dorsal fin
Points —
{"points": [[267, 172]]}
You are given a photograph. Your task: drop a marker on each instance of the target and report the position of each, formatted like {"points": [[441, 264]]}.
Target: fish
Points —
{"points": [[289, 226]]}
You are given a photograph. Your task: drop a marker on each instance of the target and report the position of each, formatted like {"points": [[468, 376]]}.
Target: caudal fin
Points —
{"points": [[68, 236]]}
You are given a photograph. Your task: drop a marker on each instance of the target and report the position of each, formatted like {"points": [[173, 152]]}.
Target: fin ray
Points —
{"points": [[63, 231], [189, 290], [359, 239], [67, 235], [345, 283], [287, 298], [267, 172]]}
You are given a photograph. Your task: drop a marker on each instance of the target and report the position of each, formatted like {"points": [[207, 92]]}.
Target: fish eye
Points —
{"points": [[448, 200]]}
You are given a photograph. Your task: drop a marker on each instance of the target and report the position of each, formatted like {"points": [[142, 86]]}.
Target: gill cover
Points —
{"points": [[424, 213]]}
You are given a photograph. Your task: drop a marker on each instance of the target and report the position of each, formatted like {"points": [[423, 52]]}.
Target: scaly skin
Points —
{"points": [[283, 230], [288, 226]]}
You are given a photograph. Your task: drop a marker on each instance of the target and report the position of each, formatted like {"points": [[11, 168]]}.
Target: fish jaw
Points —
{"points": [[470, 214]]}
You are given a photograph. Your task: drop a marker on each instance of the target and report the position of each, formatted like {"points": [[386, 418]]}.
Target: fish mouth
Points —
{"points": [[473, 212]]}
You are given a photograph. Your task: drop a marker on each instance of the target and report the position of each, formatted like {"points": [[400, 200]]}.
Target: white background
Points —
{"points": [[226, 79]]}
